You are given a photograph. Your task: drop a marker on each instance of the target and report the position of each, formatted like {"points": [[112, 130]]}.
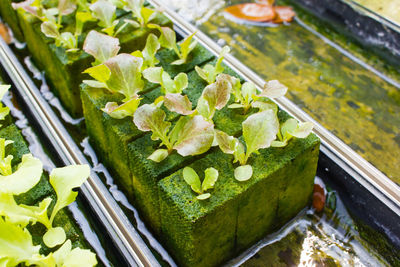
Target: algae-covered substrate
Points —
{"points": [[359, 103]]}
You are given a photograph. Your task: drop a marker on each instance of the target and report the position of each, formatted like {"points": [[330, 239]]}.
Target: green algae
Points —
{"points": [[358, 106]]}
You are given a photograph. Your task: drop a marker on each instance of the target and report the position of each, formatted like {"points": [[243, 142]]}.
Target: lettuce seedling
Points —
{"points": [[168, 40], [119, 74], [259, 131], [191, 178], [101, 46], [149, 52], [209, 72], [292, 128], [190, 136], [214, 97], [246, 95], [141, 13], [104, 12], [161, 77]]}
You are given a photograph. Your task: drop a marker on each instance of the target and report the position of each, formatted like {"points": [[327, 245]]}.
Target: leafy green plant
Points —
{"points": [[104, 12], [259, 131], [246, 95], [168, 40], [142, 14], [52, 20], [191, 178], [101, 46], [4, 111], [149, 52], [119, 74], [161, 77], [214, 97], [190, 135], [292, 128], [209, 72], [16, 244]]}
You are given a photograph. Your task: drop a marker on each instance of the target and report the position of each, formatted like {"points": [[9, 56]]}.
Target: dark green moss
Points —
{"points": [[147, 173], [18, 148], [201, 232], [198, 56]]}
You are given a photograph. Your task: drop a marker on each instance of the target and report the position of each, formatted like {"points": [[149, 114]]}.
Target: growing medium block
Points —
{"points": [[280, 187], [147, 173], [198, 56], [201, 232]]}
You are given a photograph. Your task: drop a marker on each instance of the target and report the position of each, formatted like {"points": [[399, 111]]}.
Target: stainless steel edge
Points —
{"points": [[125, 236], [360, 169]]}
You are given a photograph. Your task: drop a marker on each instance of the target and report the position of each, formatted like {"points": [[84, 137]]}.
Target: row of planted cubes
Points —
{"points": [[212, 164]]}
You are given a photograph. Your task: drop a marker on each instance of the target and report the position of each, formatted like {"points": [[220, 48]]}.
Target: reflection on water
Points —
{"points": [[327, 239]]}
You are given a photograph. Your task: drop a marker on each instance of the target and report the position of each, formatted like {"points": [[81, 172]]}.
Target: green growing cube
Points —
{"points": [[146, 174], [281, 186], [198, 56], [201, 232]]}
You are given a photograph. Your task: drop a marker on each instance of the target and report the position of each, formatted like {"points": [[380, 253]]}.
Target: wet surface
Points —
{"points": [[350, 92], [329, 238]]}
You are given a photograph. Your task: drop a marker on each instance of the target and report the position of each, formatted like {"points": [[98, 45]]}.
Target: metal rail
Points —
{"points": [[356, 166], [123, 234]]}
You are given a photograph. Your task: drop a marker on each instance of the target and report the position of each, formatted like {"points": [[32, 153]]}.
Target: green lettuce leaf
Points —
{"points": [[159, 76], [23, 214], [209, 72], [243, 173], [63, 181], [104, 11], [191, 178], [126, 109], [186, 47], [16, 244], [259, 130], [26, 176], [77, 257], [211, 176], [54, 236], [158, 155]]}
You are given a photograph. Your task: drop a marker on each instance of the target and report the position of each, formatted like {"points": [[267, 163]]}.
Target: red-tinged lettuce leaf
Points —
{"points": [[101, 46], [126, 76], [259, 130], [66, 7], [150, 118], [225, 142], [104, 11], [194, 137], [273, 89], [178, 103], [214, 96]]}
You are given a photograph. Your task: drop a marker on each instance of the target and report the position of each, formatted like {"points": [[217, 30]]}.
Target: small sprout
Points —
{"points": [[161, 77], [191, 178], [292, 128], [104, 11], [126, 109], [190, 136], [209, 72], [259, 131], [149, 52], [168, 40], [246, 95]]}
